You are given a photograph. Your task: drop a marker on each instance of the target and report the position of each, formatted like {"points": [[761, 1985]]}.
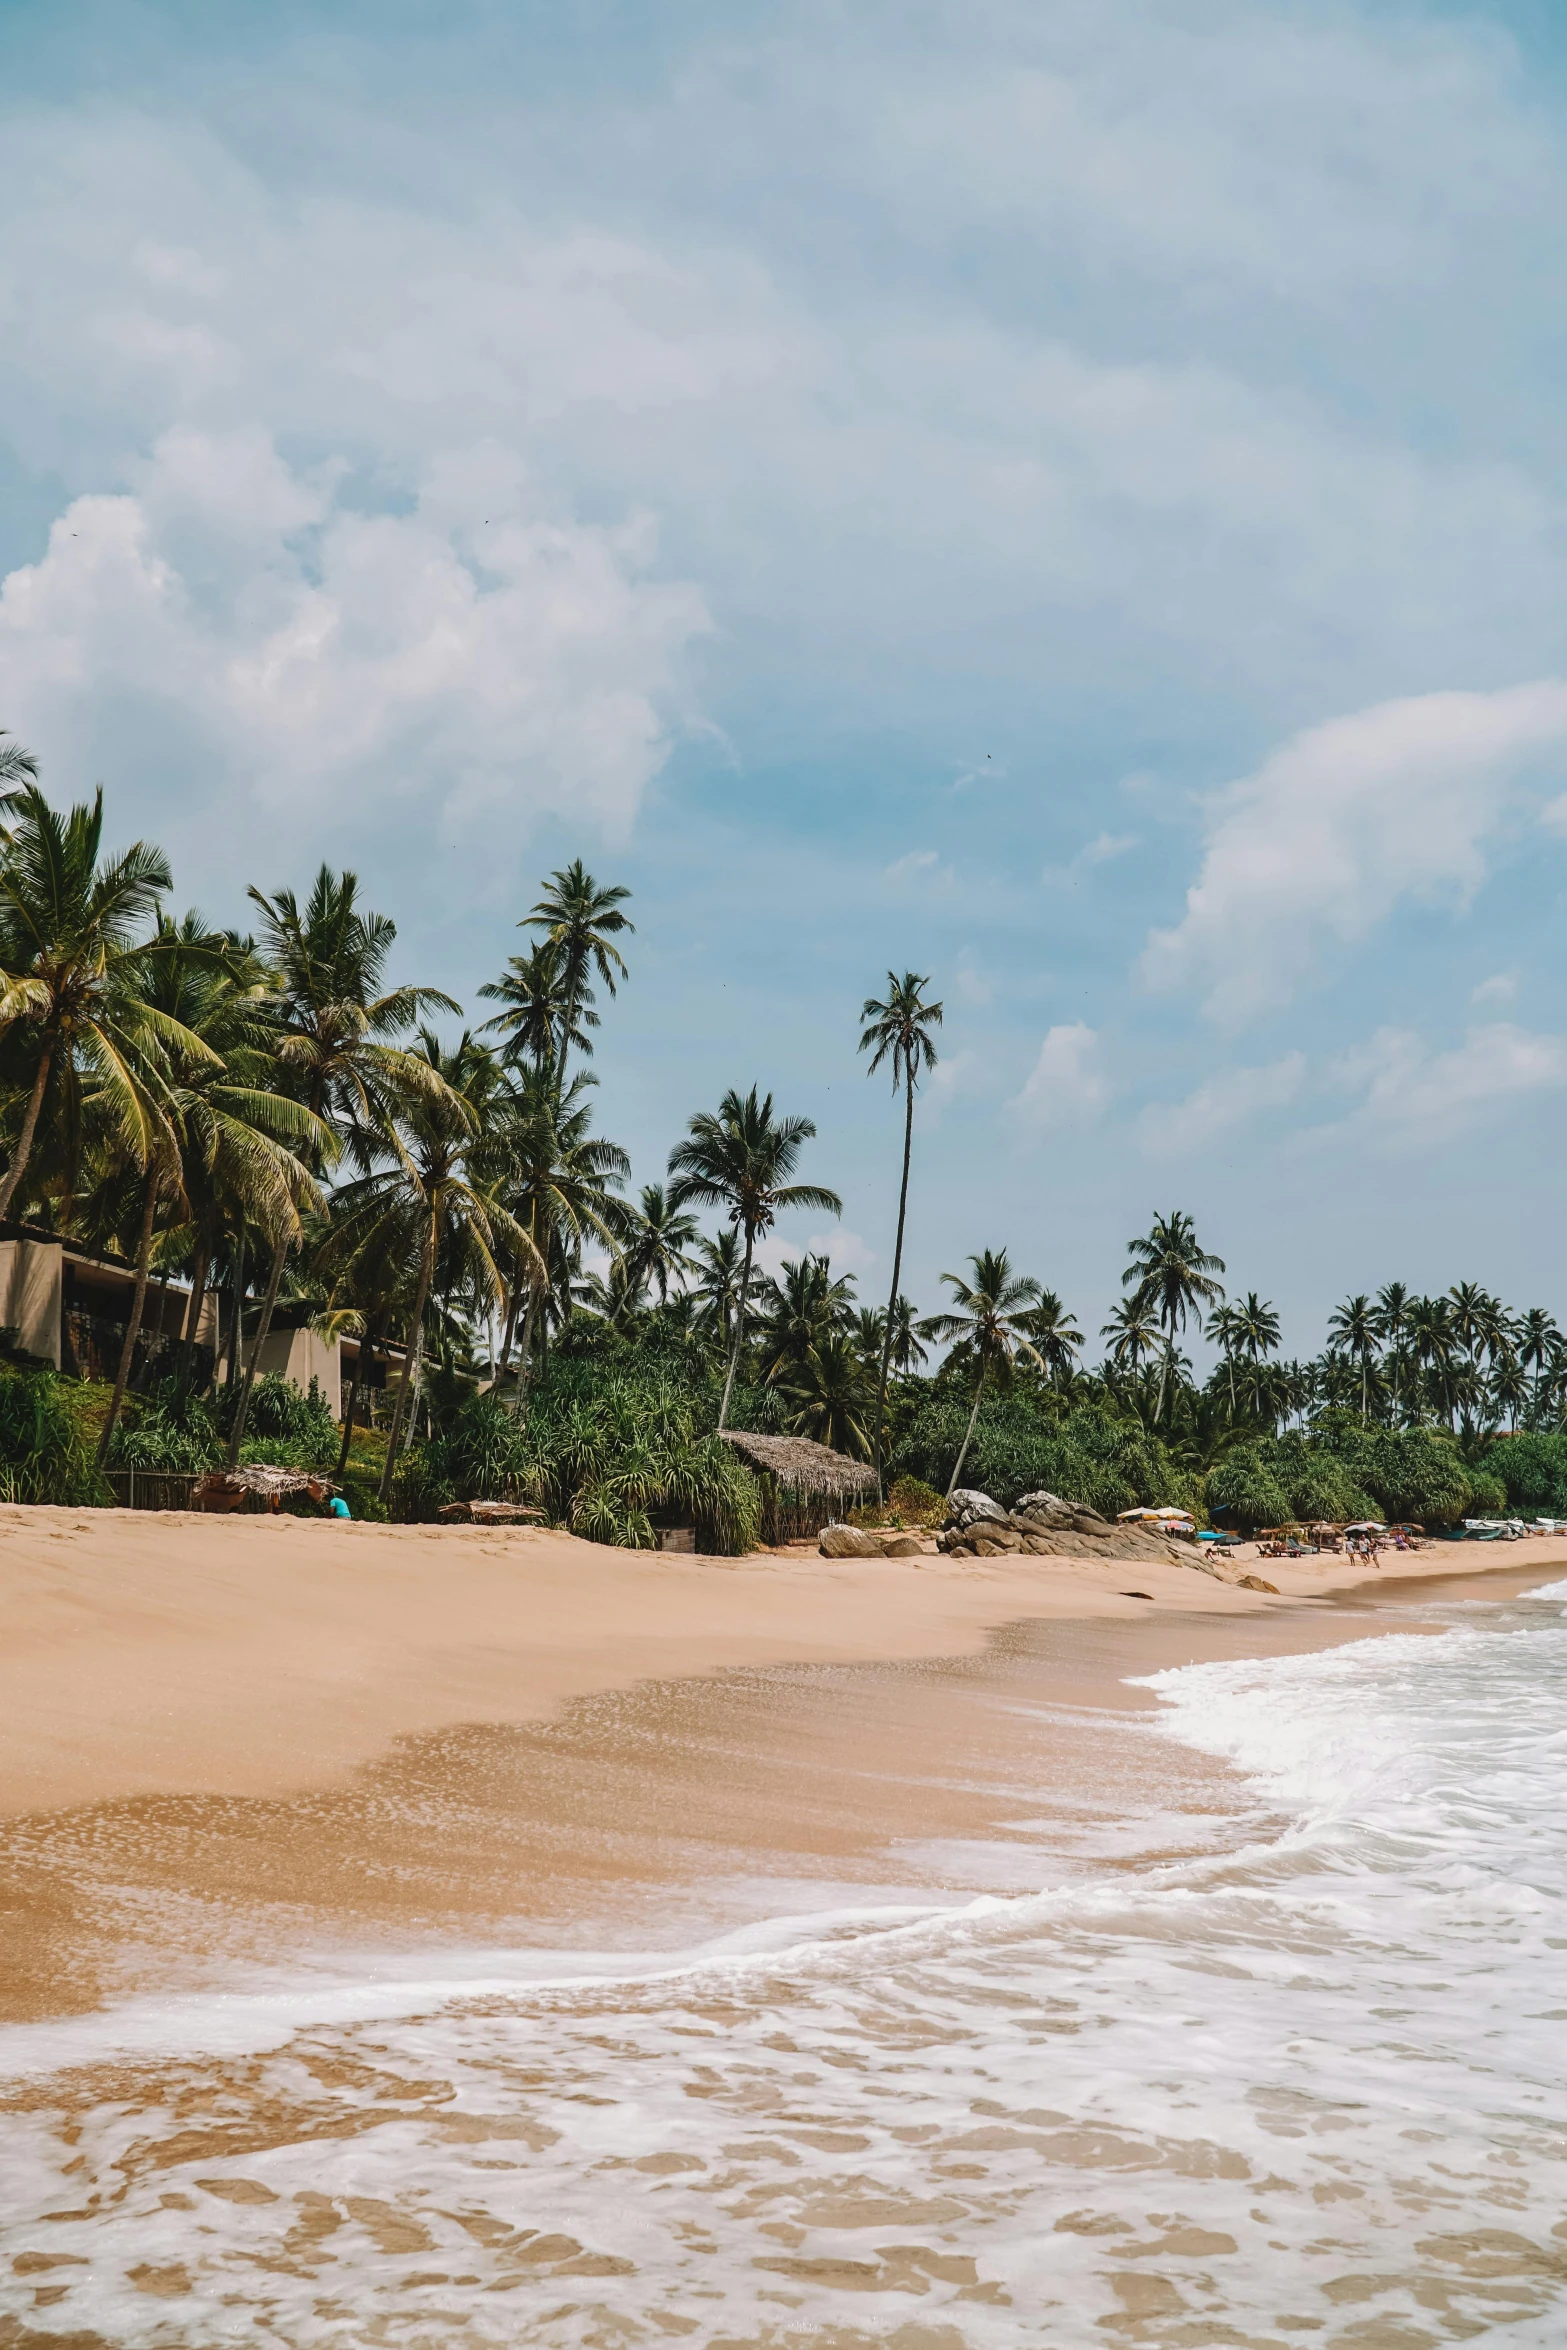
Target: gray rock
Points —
{"points": [[1039, 1505], [901, 1546], [964, 1506]]}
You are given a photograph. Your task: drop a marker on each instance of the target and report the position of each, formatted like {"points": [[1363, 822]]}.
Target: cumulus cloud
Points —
{"points": [[1218, 1107], [1412, 1093], [1500, 988], [469, 649], [1067, 1086], [1339, 826]]}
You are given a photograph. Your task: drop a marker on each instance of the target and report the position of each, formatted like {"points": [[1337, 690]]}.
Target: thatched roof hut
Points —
{"points": [[260, 1481], [804, 1485]]}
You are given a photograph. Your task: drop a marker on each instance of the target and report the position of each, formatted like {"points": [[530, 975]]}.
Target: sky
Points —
{"points": [[1066, 500]]}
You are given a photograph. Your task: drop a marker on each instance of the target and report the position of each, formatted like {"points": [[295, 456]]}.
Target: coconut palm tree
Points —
{"points": [[801, 1309], [72, 956], [1133, 1334], [1056, 1336], [827, 1392], [718, 1263], [1356, 1326], [657, 1241], [334, 1018], [540, 1019], [989, 1323], [739, 1158], [1539, 1341], [1173, 1276], [897, 1032], [558, 1181], [581, 921]]}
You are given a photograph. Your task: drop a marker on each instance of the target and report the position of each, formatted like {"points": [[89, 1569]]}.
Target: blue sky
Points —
{"points": [[1066, 499]]}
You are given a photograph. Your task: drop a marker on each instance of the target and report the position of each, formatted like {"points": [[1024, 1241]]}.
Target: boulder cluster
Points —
{"points": [[1047, 1527]]}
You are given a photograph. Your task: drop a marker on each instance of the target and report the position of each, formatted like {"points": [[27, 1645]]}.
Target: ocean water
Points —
{"points": [[1306, 2083]]}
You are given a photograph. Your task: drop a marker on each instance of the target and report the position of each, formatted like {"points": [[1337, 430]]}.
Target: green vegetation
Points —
{"points": [[273, 1123]]}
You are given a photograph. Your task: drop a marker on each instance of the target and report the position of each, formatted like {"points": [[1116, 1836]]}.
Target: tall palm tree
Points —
{"points": [[428, 1194], [657, 1242], [1539, 1340], [71, 957], [826, 1392], [989, 1322], [559, 1182], [581, 921], [1434, 1337], [334, 1017], [1392, 1311], [740, 1158], [897, 1032], [801, 1309], [907, 1351], [1357, 1326], [1174, 1277]]}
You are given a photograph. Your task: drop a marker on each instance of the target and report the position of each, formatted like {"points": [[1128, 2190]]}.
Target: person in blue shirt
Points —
{"points": [[337, 1507]]}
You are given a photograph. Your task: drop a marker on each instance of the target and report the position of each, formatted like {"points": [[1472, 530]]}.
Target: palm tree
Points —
{"points": [[718, 1281], [540, 1019], [1173, 1276], [559, 1182], [898, 1031], [1392, 1312], [1133, 1334], [740, 1159], [907, 1352], [1056, 1335], [70, 962], [334, 1016], [581, 921], [1479, 1319], [1539, 1340], [827, 1391], [990, 1323], [1356, 1326], [802, 1309], [657, 1242], [428, 1195]]}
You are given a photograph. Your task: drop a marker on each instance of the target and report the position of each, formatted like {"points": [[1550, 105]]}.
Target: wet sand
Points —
{"points": [[232, 1750]]}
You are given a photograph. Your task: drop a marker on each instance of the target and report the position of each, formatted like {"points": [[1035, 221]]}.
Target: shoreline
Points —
{"points": [[146, 1654]]}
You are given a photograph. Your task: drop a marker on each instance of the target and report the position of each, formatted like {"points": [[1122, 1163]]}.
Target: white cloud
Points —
{"points": [[1500, 988], [1219, 1106], [1554, 816], [471, 650], [1102, 850], [1413, 1094], [1338, 826], [910, 867], [1067, 1086]]}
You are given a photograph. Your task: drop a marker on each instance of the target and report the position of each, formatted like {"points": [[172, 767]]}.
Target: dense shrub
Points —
{"points": [[47, 1442], [171, 1430], [291, 1429], [1533, 1473], [1087, 1455], [1348, 1471]]}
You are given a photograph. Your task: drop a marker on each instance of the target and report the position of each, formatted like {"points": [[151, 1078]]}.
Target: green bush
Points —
{"points": [[1088, 1455], [1533, 1472], [1244, 1490], [170, 1429], [46, 1440]]}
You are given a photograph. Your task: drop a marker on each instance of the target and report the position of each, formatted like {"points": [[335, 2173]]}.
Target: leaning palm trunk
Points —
{"points": [[734, 1359], [242, 1408], [968, 1433], [411, 1362], [138, 1306], [24, 1141], [897, 1273]]}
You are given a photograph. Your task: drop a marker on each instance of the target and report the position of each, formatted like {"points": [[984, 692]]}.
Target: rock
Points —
{"points": [[849, 1542], [1256, 1583], [982, 1547], [902, 1546], [965, 1506], [1030, 1505], [1086, 1522]]}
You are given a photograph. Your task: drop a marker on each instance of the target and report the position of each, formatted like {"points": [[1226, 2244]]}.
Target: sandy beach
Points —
{"points": [[227, 1743]]}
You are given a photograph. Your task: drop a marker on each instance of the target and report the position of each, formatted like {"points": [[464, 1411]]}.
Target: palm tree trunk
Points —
{"points": [[24, 1141], [369, 1341], [525, 1355], [236, 1319], [242, 1408], [198, 1292], [968, 1433], [897, 1274], [734, 1359], [410, 1360], [138, 1304]]}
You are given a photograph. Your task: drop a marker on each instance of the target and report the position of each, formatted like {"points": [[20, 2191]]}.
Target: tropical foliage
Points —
{"points": [[274, 1130]]}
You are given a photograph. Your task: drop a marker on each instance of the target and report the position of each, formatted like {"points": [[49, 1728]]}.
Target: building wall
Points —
{"points": [[299, 1355], [31, 1274]]}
